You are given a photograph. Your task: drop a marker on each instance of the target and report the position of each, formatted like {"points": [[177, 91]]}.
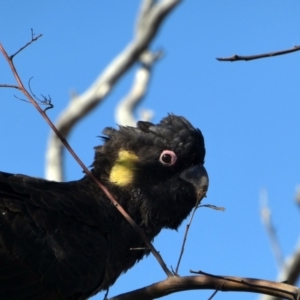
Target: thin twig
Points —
{"points": [[187, 230], [33, 39], [258, 56], [45, 101], [221, 208], [106, 294], [12, 86], [85, 169], [213, 294]]}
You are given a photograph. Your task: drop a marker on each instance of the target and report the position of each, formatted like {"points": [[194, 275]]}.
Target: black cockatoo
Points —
{"points": [[68, 241]]}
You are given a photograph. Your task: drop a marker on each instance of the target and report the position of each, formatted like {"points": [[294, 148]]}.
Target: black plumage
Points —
{"points": [[67, 240]]}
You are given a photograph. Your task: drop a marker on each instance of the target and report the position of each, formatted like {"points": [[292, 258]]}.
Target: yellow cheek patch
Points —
{"points": [[123, 170]]}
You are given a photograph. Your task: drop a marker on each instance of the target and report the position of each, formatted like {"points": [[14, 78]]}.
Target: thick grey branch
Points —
{"points": [[81, 105], [144, 10]]}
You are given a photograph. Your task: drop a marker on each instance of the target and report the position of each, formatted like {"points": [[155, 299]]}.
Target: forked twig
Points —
{"points": [[33, 39], [21, 87], [45, 101]]}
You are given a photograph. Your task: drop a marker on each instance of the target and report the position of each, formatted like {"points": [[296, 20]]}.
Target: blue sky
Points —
{"points": [[247, 111]]}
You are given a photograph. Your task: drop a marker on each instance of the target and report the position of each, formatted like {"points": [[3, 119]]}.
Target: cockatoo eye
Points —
{"points": [[168, 158]]}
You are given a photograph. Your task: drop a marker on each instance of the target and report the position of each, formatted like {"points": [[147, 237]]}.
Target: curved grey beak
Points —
{"points": [[198, 177]]}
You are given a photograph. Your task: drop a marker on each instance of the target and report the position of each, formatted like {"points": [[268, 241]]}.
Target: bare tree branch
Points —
{"points": [[124, 114], [22, 88], [290, 268], [11, 57], [146, 6], [153, 13], [221, 283], [33, 39], [258, 56], [267, 221]]}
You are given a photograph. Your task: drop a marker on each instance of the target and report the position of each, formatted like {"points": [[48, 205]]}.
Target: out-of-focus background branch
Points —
{"points": [[125, 109], [289, 268], [151, 15]]}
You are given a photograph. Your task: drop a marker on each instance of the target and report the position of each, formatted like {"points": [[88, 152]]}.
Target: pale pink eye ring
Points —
{"points": [[168, 158]]}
